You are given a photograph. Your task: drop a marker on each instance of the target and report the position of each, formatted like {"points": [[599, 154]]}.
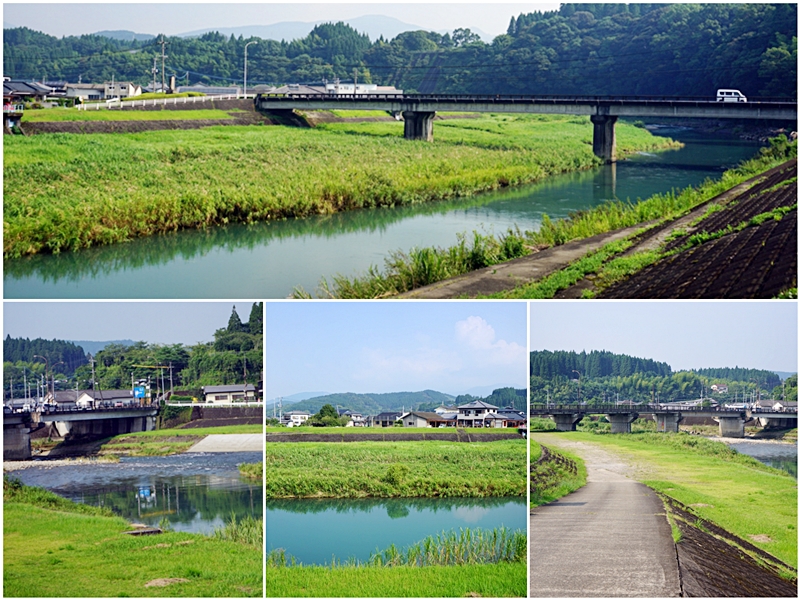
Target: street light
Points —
{"points": [[579, 384], [245, 66]]}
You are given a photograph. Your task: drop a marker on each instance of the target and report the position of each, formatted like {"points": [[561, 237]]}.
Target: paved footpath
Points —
{"points": [[231, 442], [611, 538]]}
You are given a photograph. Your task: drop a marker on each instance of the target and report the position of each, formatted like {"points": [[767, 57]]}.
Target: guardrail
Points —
{"points": [[116, 103], [543, 408], [13, 108], [213, 404]]}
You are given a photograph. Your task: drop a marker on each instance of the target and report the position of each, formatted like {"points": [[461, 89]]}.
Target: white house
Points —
{"points": [[229, 394], [121, 89], [295, 418]]}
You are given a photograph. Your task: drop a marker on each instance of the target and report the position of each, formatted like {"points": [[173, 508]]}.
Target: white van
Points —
{"points": [[730, 96]]}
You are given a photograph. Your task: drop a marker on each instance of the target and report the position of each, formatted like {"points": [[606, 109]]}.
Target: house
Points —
{"points": [[105, 399], [25, 91], [719, 388], [121, 89], [85, 91], [423, 419], [474, 414], [295, 418], [229, 394], [356, 419], [505, 419], [786, 405], [385, 419], [443, 410]]}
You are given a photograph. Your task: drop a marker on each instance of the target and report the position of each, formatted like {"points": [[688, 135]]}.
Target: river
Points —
{"points": [[268, 260], [195, 492], [315, 531], [775, 454]]}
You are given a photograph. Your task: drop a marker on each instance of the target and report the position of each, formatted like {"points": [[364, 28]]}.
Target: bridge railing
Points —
{"points": [[543, 408]]}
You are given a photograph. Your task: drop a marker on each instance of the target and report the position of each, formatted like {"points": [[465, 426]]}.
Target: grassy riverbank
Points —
{"points": [[736, 492], [64, 191], [55, 548], [389, 431], [163, 442], [426, 469], [404, 271]]}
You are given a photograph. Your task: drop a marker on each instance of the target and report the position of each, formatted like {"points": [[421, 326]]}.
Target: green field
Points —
{"points": [[55, 548], [736, 492], [69, 191], [334, 431], [60, 115], [395, 469]]}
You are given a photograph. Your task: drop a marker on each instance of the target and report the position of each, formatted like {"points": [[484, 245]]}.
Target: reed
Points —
{"points": [[247, 530]]}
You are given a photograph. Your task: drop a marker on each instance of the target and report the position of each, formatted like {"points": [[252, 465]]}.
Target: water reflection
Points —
{"points": [[195, 495], [315, 531], [778, 455]]}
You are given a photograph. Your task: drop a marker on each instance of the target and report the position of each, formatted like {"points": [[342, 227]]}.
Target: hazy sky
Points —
{"points": [[152, 322], [61, 19], [686, 335], [380, 347]]}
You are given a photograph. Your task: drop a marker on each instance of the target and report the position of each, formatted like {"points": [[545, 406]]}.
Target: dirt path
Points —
{"points": [[611, 538]]}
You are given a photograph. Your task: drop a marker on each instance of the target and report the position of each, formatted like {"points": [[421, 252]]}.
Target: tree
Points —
{"points": [[327, 411], [255, 324], [235, 323]]}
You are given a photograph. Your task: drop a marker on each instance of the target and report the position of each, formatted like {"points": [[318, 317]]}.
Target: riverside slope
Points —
{"points": [[611, 538]]}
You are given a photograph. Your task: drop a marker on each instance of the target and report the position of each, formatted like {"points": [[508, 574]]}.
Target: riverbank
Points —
{"points": [[580, 256], [735, 492], [428, 469], [55, 548], [238, 174], [388, 434]]}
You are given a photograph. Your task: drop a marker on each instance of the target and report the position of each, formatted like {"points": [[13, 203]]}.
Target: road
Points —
{"points": [[231, 442], [611, 538]]}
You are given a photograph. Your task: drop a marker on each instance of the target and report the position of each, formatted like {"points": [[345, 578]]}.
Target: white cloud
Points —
{"points": [[476, 333]]}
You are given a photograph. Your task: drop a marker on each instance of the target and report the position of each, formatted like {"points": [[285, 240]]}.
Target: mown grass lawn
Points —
{"points": [[162, 442], [734, 491], [70, 191], [52, 553]]}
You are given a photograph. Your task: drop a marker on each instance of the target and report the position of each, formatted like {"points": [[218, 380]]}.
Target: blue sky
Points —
{"points": [[173, 18], [152, 322], [685, 334], [380, 347]]}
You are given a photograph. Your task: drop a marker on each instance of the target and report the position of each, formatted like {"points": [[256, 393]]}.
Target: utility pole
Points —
{"points": [[155, 70], [245, 66], [163, 56]]}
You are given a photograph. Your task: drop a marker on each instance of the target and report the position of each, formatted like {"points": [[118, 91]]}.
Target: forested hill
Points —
{"points": [[372, 404], [427, 400], [56, 351], [606, 377], [596, 49], [547, 364]]}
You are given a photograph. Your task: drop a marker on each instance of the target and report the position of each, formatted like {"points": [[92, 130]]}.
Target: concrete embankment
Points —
{"points": [[231, 442]]}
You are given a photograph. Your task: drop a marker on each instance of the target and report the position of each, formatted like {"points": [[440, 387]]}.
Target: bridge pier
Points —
{"points": [[567, 422], [418, 125], [668, 422], [604, 140], [775, 423], [16, 442], [621, 422], [731, 426]]}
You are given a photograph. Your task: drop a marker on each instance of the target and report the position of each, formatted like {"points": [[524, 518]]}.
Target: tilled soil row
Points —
{"points": [[713, 563], [138, 126]]}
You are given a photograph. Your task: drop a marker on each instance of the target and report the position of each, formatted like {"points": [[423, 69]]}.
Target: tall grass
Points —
{"points": [[252, 470], [247, 530], [65, 192], [465, 547], [15, 491]]}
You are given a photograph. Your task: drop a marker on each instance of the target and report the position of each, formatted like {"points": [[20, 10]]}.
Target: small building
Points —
{"points": [[25, 91], [91, 399], [121, 89], [229, 394], [423, 419], [385, 419], [719, 388], [356, 419], [443, 410], [85, 91], [503, 419], [295, 418]]}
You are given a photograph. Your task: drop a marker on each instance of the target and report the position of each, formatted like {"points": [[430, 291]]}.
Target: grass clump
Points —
{"points": [[15, 491], [247, 530], [252, 470]]}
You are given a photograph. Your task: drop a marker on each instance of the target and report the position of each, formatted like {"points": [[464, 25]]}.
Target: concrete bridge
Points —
{"points": [[103, 422], [418, 110], [667, 417]]}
